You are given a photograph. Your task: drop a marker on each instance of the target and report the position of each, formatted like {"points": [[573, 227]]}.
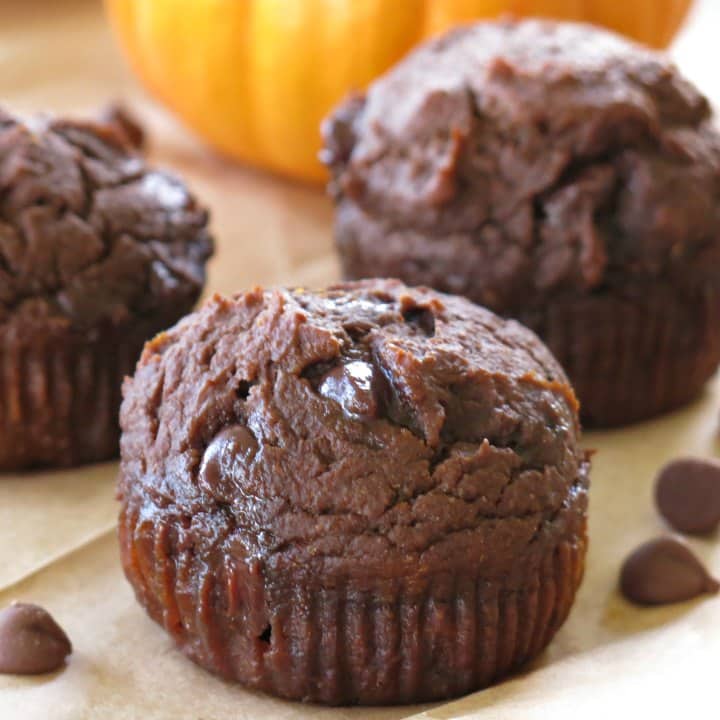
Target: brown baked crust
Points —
{"points": [[98, 252], [524, 164], [410, 537]]}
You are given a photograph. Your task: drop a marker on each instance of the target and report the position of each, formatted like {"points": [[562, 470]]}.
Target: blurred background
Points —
{"points": [[231, 92]]}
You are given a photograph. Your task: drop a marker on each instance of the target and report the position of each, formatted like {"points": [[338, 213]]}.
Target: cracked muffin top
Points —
{"points": [[89, 233], [368, 429], [562, 156]]}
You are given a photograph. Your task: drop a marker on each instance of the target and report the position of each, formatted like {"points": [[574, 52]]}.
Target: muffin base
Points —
{"points": [[632, 356], [402, 640], [60, 391]]}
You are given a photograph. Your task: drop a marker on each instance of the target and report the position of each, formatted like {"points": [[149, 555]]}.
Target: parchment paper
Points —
{"points": [[57, 537]]}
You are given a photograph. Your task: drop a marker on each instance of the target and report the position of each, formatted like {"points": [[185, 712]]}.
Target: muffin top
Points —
{"points": [[89, 234], [571, 157], [359, 430]]}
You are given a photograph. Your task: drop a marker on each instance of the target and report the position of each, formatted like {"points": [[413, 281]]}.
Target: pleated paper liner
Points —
{"points": [[633, 356], [60, 391], [401, 641]]}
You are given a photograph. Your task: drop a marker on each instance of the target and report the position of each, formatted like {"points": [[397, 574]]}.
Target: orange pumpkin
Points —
{"points": [[256, 77]]}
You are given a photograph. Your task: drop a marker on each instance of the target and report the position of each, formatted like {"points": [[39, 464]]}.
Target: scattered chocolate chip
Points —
{"points": [[235, 446], [664, 571], [31, 642], [120, 118], [358, 386], [687, 493]]}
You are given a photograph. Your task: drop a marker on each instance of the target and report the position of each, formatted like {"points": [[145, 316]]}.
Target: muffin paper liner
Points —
{"points": [[633, 357], [399, 640], [60, 395]]}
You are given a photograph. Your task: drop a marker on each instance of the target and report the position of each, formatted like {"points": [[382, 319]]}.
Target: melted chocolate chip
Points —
{"points": [[687, 493], [358, 386], [226, 458], [664, 571], [31, 642]]}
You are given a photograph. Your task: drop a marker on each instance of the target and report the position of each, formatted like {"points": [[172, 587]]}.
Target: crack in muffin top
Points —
{"points": [[88, 232], [362, 422]]}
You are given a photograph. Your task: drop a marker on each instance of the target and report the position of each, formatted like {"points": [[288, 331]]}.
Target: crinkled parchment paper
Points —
{"points": [[57, 536]]}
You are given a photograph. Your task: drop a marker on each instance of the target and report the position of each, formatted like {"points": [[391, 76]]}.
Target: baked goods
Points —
{"points": [[369, 494], [555, 173], [98, 252]]}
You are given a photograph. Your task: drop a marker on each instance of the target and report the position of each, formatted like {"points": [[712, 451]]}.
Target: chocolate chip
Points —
{"points": [[226, 458], [358, 386], [664, 571], [687, 494], [31, 642]]}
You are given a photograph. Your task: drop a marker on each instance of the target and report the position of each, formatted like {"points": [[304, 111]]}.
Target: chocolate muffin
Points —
{"points": [[98, 252], [370, 494], [557, 174]]}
